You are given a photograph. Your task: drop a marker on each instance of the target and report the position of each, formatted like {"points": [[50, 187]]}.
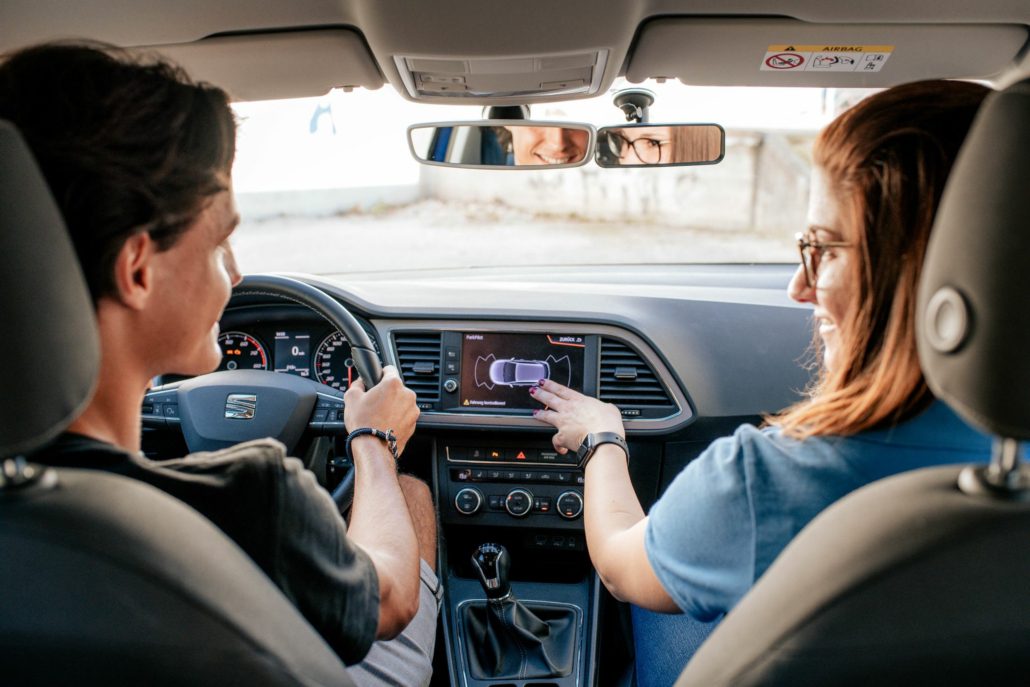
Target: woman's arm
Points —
{"points": [[614, 520]]}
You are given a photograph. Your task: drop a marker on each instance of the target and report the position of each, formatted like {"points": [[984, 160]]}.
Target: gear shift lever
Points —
{"points": [[506, 638], [492, 562]]}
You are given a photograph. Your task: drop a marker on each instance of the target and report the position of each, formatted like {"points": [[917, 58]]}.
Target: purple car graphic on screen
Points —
{"points": [[519, 372]]}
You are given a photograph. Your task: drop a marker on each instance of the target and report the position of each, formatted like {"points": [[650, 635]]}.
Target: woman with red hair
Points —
{"points": [[878, 176]]}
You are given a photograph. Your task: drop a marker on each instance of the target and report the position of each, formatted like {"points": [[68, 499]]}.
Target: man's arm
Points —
{"points": [[613, 518], [380, 523]]}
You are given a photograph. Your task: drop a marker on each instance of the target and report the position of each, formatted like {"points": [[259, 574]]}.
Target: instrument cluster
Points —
{"points": [[302, 346]]}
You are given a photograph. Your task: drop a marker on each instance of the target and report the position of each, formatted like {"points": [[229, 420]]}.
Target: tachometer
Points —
{"points": [[333, 365], [241, 351]]}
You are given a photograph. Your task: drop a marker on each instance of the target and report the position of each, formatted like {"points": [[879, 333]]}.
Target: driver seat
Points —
{"points": [[107, 580], [921, 578]]}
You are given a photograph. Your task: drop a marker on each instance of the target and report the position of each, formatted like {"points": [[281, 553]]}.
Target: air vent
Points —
{"points": [[418, 354], [630, 383]]}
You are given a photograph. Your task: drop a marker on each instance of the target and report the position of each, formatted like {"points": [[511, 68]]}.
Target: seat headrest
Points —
{"points": [[973, 321], [49, 346]]}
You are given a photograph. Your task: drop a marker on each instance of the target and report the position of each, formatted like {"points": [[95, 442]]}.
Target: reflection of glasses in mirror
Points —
{"points": [[647, 149]]}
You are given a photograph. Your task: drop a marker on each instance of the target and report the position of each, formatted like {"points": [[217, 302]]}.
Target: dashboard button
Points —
{"points": [[477, 454], [457, 453], [570, 505], [468, 501], [527, 476], [450, 386], [518, 503], [517, 455], [495, 454], [548, 456], [563, 477]]}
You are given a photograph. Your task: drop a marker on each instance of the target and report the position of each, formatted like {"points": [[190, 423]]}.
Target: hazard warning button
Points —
{"points": [[522, 455]]}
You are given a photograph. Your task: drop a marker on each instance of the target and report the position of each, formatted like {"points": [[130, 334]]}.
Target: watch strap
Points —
{"points": [[592, 441]]}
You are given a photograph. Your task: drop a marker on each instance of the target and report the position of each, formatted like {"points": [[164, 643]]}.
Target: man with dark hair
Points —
{"points": [[139, 159]]}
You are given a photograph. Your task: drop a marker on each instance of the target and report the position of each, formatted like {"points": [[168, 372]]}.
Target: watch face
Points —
{"points": [[585, 449]]}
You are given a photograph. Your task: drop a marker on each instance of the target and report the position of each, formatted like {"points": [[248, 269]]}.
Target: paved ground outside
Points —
{"points": [[434, 234]]}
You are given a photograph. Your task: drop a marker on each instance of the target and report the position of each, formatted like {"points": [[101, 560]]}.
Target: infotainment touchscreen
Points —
{"points": [[497, 369]]}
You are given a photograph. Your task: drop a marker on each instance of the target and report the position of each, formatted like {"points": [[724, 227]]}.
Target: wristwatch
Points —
{"points": [[592, 441]]}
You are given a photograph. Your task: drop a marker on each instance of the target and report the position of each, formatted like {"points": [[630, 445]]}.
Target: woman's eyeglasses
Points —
{"points": [[812, 254], [647, 150]]}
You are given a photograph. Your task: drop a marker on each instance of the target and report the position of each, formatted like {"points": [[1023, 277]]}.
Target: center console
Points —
{"points": [[521, 494], [501, 486]]}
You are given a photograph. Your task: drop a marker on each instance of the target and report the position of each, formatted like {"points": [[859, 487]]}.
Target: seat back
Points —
{"points": [[106, 580], [109, 581], [921, 578]]}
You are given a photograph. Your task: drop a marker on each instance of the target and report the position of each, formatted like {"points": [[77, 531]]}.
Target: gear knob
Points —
{"points": [[492, 562]]}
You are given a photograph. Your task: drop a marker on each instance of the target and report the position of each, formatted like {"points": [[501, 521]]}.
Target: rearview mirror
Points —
{"points": [[662, 145], [501, 143]]}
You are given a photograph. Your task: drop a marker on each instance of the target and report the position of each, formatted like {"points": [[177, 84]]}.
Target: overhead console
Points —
{"points": [[479, 373]]}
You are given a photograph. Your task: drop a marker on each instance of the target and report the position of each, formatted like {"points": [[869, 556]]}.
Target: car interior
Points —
{"points": [[915, 579]]}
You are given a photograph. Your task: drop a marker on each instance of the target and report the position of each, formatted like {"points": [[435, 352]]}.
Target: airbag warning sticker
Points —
{"points": [[826, 58]]}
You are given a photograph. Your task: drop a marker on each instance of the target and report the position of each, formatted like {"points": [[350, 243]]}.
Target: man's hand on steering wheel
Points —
{"points": [[388, 405]]}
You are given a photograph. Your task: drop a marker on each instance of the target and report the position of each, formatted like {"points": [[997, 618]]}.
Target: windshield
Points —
{"points": [[328, 186]]}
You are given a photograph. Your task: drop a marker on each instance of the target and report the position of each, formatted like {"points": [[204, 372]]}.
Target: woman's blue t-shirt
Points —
{"points": [[727, 516]]}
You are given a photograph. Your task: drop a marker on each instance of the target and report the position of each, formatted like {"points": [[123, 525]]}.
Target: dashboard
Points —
{"points": [[686, 353], [466, 373]]}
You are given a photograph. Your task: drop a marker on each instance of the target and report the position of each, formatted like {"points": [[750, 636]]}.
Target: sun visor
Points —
{"points": [[287, 64], [787, 52]]}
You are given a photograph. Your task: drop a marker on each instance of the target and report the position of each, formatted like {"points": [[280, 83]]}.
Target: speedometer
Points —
{"points": [[241, 351], [333, 364]]}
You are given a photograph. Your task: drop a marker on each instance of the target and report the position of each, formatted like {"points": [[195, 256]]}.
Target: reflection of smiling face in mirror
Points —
{"points": [[547, 145]]}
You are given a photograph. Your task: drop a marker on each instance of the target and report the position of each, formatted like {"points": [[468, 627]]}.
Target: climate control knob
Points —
{"points": [[468, 501], [570, 505], [518, 503]]}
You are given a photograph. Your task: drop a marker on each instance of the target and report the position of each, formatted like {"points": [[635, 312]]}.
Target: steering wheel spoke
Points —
{"points": [[327, 418], [161, 407]]}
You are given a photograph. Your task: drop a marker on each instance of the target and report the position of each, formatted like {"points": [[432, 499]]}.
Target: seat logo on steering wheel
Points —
{"points": [[240, 406]]}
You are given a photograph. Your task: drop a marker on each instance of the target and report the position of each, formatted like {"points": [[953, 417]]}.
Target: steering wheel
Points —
{"points": [[221, 409]]}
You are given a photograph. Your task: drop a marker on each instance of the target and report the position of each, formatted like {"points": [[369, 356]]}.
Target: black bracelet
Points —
{"points": [[388, 436]]}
